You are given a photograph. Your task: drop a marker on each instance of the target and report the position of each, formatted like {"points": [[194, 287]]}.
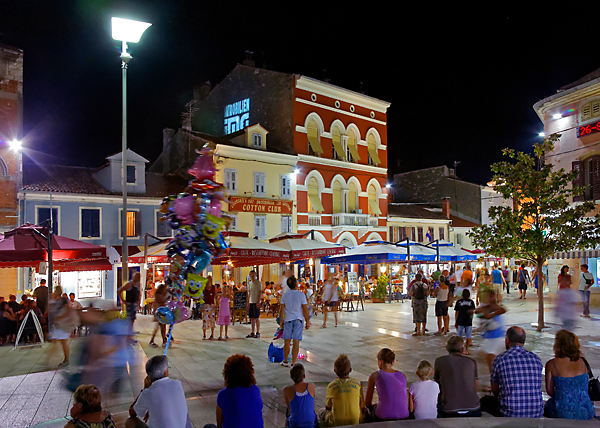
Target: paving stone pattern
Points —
{"points": [[31, 394]]}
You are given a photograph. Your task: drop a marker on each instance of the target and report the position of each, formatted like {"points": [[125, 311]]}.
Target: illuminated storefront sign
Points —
{"points": [[254, 205], [237, 116], [592, 128]]}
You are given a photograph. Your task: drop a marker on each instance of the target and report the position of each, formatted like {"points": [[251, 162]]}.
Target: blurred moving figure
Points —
{"points": [[567, 308]]}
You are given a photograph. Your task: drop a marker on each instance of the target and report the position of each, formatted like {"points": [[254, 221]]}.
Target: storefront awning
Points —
{"points": [[315, 201], [578, 254], [300, 249], [245, 251], [27, 245], [313, 139], [83, 265], [353, 150], [374, 207], [373, 153], [337, 145]]}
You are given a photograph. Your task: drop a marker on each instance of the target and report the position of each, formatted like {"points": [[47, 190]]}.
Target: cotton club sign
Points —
{"points": [[253, 205]]}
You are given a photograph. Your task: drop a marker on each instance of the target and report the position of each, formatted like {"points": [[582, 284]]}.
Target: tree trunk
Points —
{"points": [[540, 279]]}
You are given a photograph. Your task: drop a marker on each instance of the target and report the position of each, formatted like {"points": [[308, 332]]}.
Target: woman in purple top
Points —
{"points": [[391, 389]]}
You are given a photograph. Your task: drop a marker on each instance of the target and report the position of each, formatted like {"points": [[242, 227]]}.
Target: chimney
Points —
{"points": [[446, 207], [249, 61], [202, 91]]}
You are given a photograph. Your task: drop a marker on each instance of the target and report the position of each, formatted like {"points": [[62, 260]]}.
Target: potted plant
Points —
{"points": [[380, 291]]}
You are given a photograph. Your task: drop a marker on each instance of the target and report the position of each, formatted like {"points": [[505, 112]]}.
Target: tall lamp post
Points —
{"points": [[126, 31]]}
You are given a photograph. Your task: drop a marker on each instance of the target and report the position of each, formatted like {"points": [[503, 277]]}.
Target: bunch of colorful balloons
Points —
{"points": [[196, 216]]}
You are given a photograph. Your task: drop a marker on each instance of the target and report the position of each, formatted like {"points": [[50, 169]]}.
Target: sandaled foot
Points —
{"points": [[153, 344], [211, 337], [220, 338], [257, 335], [323, 326], [250, 335], [285, 364]]}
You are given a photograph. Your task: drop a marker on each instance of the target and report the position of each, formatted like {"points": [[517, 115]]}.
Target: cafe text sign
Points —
{"points": [[253, 205]]}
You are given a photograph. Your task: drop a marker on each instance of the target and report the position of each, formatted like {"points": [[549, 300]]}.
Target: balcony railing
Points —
{"points": [[314, 220], [350, 219]]}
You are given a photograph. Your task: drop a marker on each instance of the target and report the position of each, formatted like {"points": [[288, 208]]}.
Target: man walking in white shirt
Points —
{"points": [[293, 308], [254, 296]]}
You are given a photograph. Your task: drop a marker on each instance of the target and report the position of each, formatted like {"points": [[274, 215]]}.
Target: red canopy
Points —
{"points": [[301, 249], [26, 246], [245, 251]]}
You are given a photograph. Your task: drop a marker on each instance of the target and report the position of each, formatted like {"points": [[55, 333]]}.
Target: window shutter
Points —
{"points": [[595, 108], [579, 181], [586, 111], [596, 177], [138, 223]]}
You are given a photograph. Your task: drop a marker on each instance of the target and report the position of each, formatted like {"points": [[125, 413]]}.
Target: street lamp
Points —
{"points": [[125, 30]]}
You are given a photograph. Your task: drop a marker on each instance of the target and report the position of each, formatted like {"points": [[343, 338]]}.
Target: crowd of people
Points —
{"points": [[446, 389]]}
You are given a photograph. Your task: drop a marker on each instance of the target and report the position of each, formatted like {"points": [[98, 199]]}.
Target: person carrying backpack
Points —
{"points": [[418, 293]]}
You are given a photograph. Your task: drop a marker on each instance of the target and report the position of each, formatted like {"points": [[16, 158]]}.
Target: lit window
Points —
{"points": [[133, 223]]}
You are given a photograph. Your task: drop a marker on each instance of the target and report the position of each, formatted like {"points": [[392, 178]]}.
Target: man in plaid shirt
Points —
{"points": [[516, 380]]}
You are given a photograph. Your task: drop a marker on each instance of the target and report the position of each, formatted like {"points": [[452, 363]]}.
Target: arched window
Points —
{"points": [[372, 146], [314, 201], [3, 168], [336, 139], [337, 197], [314, 142], [352, 198], [373, 202], [352, 151]]}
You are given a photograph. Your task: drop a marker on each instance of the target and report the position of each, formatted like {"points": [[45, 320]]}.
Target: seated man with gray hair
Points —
{"points": [[161, 404]]}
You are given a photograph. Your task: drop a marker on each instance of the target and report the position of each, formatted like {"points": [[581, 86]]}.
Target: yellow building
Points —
{"points": [[262, 189]]}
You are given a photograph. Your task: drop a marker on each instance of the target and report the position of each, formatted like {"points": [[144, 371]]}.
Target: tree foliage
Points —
{"points": [[542, 220]]}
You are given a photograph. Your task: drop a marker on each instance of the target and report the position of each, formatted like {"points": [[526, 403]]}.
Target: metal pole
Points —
{"points": [[125, 249]]}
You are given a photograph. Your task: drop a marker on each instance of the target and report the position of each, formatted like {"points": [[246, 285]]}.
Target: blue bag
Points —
{"points": [[275, 353]]}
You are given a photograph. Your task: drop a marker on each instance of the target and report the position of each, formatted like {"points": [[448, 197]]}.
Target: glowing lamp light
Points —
{"points": [[14, 145], [388, 186], [396, 268], [127, 30], [557, 116], [382, 269], [542, 134], [296, 171]]}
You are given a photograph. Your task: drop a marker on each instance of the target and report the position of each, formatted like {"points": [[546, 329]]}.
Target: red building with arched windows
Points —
{"points": [[339, 137]]}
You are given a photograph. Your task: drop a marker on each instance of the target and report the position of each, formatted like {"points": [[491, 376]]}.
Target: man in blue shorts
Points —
{"points": [[293, 308]]}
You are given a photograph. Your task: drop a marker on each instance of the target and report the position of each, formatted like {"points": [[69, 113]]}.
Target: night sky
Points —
{"points": [[461, 82]]}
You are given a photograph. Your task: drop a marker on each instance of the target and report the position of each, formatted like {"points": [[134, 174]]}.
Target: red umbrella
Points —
{"points": [[27, 245]]}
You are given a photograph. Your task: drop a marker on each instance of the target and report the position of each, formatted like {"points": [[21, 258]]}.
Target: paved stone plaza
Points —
{"points": [[31, 394]]}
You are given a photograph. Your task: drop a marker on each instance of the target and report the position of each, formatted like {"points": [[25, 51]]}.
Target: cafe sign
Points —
{"points": [[254, 205]]}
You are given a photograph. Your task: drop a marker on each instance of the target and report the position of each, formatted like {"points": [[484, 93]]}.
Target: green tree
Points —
{"points": [[542, 219]]}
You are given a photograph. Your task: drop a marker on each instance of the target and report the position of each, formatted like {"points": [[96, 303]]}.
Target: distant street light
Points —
{"points": [[15, 145], [130, 31]]}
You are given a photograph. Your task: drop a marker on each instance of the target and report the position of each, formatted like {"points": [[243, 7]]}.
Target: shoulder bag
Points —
{"points": [[593, 384]]}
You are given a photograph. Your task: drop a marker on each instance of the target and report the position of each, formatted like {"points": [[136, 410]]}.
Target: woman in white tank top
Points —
{"points": [[442, 294]]}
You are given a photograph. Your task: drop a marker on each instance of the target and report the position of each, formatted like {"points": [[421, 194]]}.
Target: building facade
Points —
{"points": [[339, 138], [11, 129], [87, 204], [574, 112]]}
